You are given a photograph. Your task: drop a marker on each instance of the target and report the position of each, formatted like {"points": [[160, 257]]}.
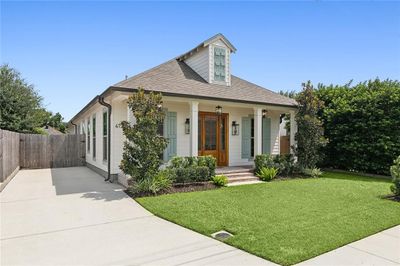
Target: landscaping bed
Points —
{"points": [[286, 222]]}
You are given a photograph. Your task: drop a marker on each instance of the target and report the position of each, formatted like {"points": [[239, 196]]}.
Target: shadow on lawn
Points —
{"points": [[355, 177]]}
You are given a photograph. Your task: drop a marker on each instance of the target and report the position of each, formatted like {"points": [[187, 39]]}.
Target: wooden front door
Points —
{"points": [[213, 136]]}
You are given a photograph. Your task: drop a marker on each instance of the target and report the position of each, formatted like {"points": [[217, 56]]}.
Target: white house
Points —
{"points": [[209, 111]]}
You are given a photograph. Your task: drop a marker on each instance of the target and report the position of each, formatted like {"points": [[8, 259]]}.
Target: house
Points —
{"points": [[209, 111]]}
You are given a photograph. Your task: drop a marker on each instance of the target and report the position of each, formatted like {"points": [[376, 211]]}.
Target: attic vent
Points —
{"points": [[221, 235]]}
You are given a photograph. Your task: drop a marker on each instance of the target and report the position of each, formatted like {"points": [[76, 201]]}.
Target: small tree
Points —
{"points": [[143, 145], [395, 172], [309, 136]]}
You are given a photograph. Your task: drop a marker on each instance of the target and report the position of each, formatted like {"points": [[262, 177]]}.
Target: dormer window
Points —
{"points": [[219, 64]]}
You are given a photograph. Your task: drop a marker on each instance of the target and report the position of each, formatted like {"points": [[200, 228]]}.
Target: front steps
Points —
{"points": [[238, 175]]}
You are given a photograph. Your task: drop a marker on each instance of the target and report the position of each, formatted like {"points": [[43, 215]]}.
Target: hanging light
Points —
{"points": [[187, 126], [235, 128], [264, 112], [218, 110]]}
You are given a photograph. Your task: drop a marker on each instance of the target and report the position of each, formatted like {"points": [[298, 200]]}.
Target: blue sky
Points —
{"points": [[72, 51]]}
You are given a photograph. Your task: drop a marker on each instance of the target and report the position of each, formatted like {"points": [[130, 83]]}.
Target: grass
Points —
{"points": [[286, 221]]}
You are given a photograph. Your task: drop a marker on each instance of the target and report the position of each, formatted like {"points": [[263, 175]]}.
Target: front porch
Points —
{"points": [[234, 133]]}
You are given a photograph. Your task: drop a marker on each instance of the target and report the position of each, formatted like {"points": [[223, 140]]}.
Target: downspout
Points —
{"points": [[102, 102], [75, 127]]}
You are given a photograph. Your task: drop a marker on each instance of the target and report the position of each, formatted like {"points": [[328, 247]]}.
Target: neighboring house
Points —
{"points": [[209, 111]]}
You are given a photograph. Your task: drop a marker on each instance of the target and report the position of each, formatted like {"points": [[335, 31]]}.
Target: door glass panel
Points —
{"points": [[222, 133], [199, 134], [210, 124]]}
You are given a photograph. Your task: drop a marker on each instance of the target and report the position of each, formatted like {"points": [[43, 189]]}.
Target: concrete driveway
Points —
{"points": [[70, 216]]}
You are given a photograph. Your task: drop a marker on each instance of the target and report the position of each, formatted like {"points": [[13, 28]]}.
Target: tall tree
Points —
{"points": [[20, 104], [143, 145], [309, 135]]}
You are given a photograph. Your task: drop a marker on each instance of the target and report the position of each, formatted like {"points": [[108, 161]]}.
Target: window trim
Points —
{"points": [[88, 135], [225, 65]]}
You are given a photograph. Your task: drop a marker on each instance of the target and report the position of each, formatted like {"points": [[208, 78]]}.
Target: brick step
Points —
{"points": [[242, 178], [239, 174], [233, 171]]}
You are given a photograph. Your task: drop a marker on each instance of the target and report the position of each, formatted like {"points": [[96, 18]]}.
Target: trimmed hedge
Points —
{"points": [[191, 174], [192, 162]]}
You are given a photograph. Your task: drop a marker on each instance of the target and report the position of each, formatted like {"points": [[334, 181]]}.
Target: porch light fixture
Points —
{"points": [[235, 128], [187, 126], [264, 112], [159, 106], [218, 110]]}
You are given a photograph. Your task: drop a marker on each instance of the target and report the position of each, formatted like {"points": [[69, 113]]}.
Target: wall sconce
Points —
{"points": [[187, 126], [235, 128], [264, 112], [218, 110]]}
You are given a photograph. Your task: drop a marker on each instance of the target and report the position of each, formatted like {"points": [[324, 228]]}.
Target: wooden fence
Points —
{"points": [[285, 145], [9, 154], [39, 151]]}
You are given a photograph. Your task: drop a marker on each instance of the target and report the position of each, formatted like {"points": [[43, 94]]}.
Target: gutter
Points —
{"points": [[75, 126], [102, 102]]}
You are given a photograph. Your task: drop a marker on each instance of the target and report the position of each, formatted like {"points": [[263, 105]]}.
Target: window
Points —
{"points": [[88, 135], [105, 135], [94, 136], [219, 64]]}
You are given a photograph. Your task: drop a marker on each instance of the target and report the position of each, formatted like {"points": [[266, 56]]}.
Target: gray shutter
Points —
{"points": [[266, 135], [246, 137], [170, 133]]}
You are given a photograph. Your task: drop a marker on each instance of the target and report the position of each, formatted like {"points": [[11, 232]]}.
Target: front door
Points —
{"points": [[213, 136]]}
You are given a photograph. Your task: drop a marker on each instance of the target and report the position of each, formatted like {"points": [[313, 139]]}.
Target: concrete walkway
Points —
{"points": [[70, 216], [380, 249]]}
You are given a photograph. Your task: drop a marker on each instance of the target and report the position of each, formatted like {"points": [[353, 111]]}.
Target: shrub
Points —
{"points": [[314, 172], [283, 163], [263, 160], [191, 174], [220, 180], [158, 183], [192, 162], [267, 174], [395, 172]]}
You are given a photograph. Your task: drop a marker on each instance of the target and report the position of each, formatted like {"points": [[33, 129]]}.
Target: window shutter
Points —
{"points": [[266, 135], [170, 133], [246, 137]]}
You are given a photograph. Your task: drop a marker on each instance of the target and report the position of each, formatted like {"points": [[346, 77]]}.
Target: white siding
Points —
{"points": [[119, 113], [199, 62], [275, 138]]}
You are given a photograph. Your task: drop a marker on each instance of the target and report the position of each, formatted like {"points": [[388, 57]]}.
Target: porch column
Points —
{"points": [[293, 130], [194, 128], [257, 131]]}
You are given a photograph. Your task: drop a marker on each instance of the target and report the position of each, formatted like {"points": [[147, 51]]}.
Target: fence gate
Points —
{"points": [[39, 151]]}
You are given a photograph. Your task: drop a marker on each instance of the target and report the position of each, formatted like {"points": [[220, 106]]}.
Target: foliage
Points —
{"points": [[283, 163], [395, 172], [160, 182], [143, 145], [191, 161], [307, 218], [362, 124], [314, 172], [220, 180], [267, 174], [20, 104], [191, 174], [309, 136]]}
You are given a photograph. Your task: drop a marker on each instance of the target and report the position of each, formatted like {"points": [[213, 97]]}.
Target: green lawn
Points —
{"points": [[286, 221]]}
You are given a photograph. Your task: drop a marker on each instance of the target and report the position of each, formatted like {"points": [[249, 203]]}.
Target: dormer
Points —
{"points": [[211, 60]]}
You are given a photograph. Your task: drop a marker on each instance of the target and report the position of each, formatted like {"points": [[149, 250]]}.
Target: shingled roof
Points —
{"points": [[177, 78]]}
